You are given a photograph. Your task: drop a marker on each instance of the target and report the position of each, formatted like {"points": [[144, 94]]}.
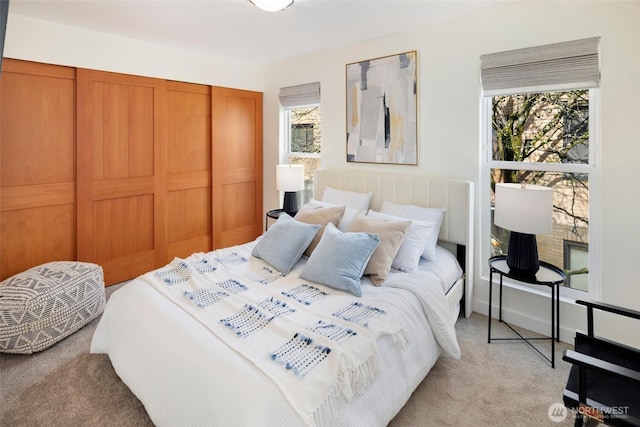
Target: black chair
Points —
{"points": [[604, 382]]}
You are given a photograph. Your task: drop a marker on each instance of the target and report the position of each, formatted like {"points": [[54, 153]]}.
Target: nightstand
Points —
{"points": [[548, 275], [273, 214]]}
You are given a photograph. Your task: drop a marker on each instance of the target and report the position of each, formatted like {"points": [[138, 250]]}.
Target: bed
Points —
{"points": [[192, 342]]}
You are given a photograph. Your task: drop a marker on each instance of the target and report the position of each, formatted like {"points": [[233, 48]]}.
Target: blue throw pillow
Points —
{"points": [[285, 242], [340, 258]]}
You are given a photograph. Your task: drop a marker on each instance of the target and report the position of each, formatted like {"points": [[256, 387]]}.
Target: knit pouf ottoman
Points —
{"points": [[47, 303]]}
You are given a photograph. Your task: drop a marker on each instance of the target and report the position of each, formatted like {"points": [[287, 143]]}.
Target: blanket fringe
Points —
{"points": [[350, 382]]}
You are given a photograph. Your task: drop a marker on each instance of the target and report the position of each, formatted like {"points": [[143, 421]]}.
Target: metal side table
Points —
{"points": [[548, 275]]}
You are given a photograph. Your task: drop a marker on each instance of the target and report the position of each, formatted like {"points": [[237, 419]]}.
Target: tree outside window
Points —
{"points": [[543, 138], [304, 143]]}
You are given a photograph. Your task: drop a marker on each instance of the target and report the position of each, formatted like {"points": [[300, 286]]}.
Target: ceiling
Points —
{"points": [[238, 30]]}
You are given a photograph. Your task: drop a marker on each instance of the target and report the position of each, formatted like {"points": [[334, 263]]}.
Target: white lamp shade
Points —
{"points": [[524, 209], [272, 5], [290, 177]]}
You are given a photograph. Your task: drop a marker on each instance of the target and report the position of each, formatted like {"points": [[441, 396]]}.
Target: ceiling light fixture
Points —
{"points": [[272, 5]]}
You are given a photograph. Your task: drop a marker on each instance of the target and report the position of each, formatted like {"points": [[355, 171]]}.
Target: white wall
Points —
{"points": [[449, 129], [43, 41]]}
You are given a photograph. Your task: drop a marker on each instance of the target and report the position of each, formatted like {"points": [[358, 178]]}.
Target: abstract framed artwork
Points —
{"points": [[382, 124]]}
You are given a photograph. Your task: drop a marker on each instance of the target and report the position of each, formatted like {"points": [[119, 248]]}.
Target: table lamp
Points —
{"points": [[525, 210], [290, 179]]}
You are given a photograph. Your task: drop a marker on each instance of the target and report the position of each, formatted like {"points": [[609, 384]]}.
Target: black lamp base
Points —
{"points": [[522, 255], [290, 204]]}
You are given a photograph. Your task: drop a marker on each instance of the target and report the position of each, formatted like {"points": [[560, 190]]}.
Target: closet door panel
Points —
{"points": [[121, 173], [188, 169], [113, 219], [237, 166], [190, 229], [37, 165], [35, 236], [239, 200], [122, 126], [38, 136]]}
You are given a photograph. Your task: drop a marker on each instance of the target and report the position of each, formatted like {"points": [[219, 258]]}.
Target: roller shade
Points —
{"points": [[300, 95], [567, 65]]}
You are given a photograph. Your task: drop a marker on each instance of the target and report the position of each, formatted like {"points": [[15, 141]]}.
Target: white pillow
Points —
{"points": [[415, 241], [431, 216], [347, 217], [352, 199]]}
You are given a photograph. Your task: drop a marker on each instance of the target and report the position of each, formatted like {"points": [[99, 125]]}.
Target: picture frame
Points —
{"points": [[381, 110]]}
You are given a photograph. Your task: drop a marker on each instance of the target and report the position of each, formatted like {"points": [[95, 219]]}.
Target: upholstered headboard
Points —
{"points": [[420, 190]]}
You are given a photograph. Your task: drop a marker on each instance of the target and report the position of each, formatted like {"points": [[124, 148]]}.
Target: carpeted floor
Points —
{"points": [[498, 384]]}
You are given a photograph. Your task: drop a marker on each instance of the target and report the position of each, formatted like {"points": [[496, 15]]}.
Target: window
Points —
{"points": [[302, 138], [539, 130], [576, 261], [301, 119], [302, 133]]}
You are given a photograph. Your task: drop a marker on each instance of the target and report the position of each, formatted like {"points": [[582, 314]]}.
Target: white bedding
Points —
{"points": [[185, 375], [445, 266]]}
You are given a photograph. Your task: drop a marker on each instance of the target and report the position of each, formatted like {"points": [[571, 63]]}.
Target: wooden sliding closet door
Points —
{"points": [[121, 154], [237, 166], [188, 169], [37, 165]]}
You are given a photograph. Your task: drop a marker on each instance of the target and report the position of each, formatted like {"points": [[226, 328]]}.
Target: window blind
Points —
{"points": [[567, 65], [300, 95]]}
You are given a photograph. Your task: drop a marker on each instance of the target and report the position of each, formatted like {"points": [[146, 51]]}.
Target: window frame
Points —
{"points": [[308, 128], [285, 114], [592, 169], [285, 146]]}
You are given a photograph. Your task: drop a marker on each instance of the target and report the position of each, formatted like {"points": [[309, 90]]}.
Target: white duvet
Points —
{"points": [[186, 375]]}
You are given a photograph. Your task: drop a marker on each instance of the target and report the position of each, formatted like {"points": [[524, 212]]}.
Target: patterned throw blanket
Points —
{"points": [[317, 344]]}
